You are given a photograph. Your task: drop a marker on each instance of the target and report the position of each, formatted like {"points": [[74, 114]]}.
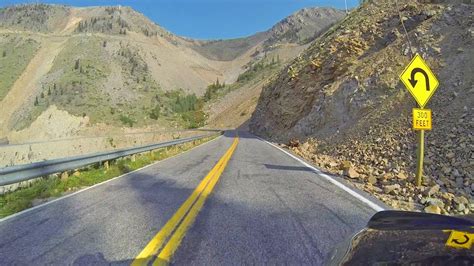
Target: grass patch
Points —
{"points": [[53, 187], [15, 54]]}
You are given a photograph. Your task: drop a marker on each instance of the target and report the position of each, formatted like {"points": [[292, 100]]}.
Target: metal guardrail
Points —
{"points": [[5, 143], [18, 173]]}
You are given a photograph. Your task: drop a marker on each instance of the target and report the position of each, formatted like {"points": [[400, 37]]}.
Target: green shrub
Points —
{"points": [[155, 112], [185, 103], [257, 68], [194, 119], [127, 120], [212, 90]]}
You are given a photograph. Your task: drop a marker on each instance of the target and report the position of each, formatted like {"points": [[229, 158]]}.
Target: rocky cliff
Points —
{"points": [[341, 104]]}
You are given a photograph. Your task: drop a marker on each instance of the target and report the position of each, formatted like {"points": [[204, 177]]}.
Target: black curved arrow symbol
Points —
{"points": [[413, 81], [459, 242]]}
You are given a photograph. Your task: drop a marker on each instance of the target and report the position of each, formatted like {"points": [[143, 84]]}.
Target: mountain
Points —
{"points": [[341, 104], [303, 26], [299, 28], [112, 65]]}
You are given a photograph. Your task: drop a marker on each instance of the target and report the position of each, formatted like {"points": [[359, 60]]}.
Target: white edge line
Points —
{"points": [[329, 178], [96, 185]]}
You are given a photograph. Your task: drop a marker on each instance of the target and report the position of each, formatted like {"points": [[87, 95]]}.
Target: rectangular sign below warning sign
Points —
{"points": [[421, 119]]}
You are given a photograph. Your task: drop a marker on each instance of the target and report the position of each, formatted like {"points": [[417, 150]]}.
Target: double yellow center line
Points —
{"points": [[163, 245]]}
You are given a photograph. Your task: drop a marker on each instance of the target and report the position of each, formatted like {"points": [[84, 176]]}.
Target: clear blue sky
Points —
{"points": [[208, 19]]}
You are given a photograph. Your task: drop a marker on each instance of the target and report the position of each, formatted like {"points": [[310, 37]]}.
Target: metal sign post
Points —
{"points": [[420, 157], [422, 92]]}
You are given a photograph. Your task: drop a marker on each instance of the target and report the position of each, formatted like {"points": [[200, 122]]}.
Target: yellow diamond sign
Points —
{"points": [[419, 80]]}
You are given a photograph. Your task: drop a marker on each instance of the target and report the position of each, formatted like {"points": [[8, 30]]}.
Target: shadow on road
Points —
{"points": [[288, 168], [245, 220]]}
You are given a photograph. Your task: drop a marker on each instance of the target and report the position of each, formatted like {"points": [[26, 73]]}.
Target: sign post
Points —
{"points": [[420, 157], [421, 87]]}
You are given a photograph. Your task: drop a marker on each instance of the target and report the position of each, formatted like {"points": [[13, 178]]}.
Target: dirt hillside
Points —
{"points": [[115, 66]]}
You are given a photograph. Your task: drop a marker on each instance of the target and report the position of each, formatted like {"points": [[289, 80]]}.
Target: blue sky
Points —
{"points": [[208, 19]]}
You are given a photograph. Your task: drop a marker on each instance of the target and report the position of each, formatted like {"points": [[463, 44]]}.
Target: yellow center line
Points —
{"points": [[186, 214]]}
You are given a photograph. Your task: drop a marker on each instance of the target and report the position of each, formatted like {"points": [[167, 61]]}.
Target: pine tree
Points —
{"points": [[155, 112], [42, 95], [76, 65], [49, 91], [36, 101]]}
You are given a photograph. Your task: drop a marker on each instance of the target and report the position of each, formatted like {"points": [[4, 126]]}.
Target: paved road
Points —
{"points": [[266, 208]]}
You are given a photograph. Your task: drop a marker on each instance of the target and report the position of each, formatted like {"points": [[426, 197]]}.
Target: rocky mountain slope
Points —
{"points": [[235, 108], [341, 104], [299, 28], [115, 66], [302, 26]]}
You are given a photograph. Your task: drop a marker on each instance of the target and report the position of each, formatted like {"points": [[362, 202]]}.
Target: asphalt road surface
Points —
{"points": [[266, 208]]}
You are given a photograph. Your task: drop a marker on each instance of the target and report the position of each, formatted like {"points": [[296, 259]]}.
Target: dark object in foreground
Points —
{"points": [[409, 238]]}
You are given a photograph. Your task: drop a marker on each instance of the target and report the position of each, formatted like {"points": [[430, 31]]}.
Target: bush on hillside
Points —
{"points": [[155, 112], [127, 120]]}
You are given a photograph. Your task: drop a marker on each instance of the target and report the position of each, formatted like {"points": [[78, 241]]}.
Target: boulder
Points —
{"points": [[372, 179], [433, 209], [345, 165], [391, 188], [402, 176], [352, 173]]}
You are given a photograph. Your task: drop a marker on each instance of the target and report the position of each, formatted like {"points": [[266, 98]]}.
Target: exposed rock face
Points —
{"points": [[343, 97], [303, 26], [299, 28]]}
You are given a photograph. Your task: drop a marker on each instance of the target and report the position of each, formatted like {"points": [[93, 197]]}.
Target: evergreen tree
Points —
{"points": [[76, 65], [36, 101], [155, 112]]}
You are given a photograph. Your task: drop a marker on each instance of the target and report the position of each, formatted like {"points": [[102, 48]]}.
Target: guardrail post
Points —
{"points": [[64, 175]]}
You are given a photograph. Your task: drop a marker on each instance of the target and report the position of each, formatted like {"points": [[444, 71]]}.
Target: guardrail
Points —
{"points": [[5, 141], [18, 173]]}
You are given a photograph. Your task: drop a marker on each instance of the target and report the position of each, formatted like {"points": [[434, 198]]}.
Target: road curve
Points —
{"points": [[266, 208]]}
